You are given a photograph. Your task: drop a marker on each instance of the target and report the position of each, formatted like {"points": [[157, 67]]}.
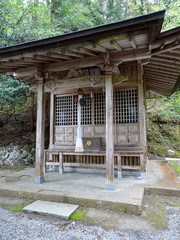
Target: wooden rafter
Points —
{"points": [[132, 42], [116, 45], [84, 50], [46, 58], [164, 63], [165, 60], [160, 67], [99, 47], [158, 81], [71, 53], [160, 72], [166, 47], [171, 56], [59, 56]]}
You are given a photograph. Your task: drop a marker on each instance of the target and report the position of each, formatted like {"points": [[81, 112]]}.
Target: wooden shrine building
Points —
{"points": [[96, 81]]}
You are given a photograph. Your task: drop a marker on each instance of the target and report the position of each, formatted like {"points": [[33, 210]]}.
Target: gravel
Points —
{"points": [[22, 226]]}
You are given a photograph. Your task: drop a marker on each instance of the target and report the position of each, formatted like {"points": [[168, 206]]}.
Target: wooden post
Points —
{"points": [[142, 119], [109, 133], [39, 176]]}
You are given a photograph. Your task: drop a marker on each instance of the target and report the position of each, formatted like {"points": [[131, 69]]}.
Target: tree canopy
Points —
{"points": [[24, 20]]}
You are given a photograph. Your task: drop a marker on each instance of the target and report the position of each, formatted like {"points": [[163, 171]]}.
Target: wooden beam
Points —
{"points": [[71, 53], [99, 47], [20, 62], [164, 69], [164, 92], [116, 45], [85, 51], [166, 48], [7, 70], [165, 64], [46, 58], [148, 68], [86, 62], [32, 60], [59, 56], [109, 133], [171, 55], [158, 83], [39, 177], [94, 61], [132, 42], [164, 59], [163, 77]]}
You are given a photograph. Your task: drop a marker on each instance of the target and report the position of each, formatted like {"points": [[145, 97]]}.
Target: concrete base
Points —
{"points": [[110, 186], [61, 171], [39, 179], [143, 175], [61, 210], [119, 174]]}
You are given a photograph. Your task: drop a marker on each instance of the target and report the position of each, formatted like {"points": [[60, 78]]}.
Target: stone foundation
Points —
{"points": [[17, 155]]}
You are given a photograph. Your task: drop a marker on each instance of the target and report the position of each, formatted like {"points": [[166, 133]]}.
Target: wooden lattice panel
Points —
{"points": [[86, 111], [66, 111], [94, 110], [99, 108], [126, 108]]}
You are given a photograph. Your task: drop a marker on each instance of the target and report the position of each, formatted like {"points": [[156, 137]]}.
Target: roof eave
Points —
{"points": [[91, 33]]}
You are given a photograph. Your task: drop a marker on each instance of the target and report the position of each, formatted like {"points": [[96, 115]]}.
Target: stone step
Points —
{"points": [[61, 210]]}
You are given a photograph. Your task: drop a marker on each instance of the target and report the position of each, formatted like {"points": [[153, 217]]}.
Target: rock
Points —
{"points": [[171, 152], [20, 152], [17, 155], [24, 155], [19, 147], [6, 155], [27, 148]]}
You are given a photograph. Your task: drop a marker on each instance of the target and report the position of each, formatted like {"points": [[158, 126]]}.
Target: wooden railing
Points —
{"points": [[123, 161]]}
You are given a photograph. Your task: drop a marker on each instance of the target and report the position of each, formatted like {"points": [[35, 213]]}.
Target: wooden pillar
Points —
{"points": [[142, 119], [39, 176], [109, 133]]}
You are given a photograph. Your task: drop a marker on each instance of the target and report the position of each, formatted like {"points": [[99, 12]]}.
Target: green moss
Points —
{"points": [[27, 148], [78, 215], [176, 167], [176, 204], [16, 168], [17, 208], [157, 215], [19, 147]]}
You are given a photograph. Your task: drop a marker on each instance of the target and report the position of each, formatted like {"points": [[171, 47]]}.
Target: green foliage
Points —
{"points": [[165, 109], [78, 215], [163, 129], [33, 19], [13, 94], [176, 167], [17, 208]]}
